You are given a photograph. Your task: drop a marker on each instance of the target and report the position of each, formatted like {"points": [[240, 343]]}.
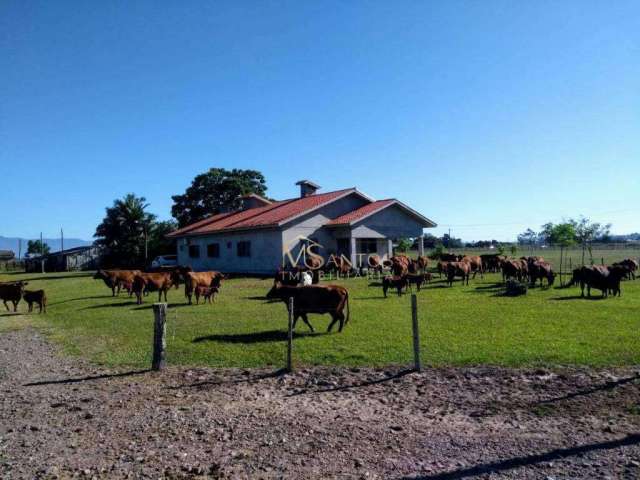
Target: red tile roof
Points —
{"points": [[270, 215], [361, 212]]}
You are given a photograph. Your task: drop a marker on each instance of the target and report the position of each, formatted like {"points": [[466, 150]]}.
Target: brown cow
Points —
{"points": [[374, 263], [458, 269], [475, 263], [630, 266], [330, 299], [598, 277], [115, 279], [492, 262], [515, 269], [398, 282], [36, 296], [207, 293], [203, 279], [541, 270], [12, 291], [441, 267], [400, 265], [160, 282]]}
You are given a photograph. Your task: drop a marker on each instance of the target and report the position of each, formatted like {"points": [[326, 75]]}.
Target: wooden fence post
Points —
{"points": [[289, 366], [416, 333], [159, 333]]}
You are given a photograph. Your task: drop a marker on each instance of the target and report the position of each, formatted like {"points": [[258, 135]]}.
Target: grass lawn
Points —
{"points": [[459, 326]]}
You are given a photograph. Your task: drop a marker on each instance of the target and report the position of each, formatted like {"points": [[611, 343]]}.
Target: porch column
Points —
{"points": [[421, 246], [389, 248], [352, 252]]}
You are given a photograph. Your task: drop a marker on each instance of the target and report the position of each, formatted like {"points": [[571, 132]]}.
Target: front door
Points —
{"points": [[343, 245]]}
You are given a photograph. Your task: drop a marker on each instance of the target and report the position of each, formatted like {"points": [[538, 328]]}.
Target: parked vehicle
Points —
{"points": [[165, 261]]}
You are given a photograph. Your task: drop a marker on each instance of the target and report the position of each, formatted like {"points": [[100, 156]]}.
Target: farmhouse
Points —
{"points": [[253, 239]]}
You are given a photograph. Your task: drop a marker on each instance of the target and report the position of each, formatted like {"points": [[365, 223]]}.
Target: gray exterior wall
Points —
{"points": [[266, 251], [311, 225], [392, 222]]}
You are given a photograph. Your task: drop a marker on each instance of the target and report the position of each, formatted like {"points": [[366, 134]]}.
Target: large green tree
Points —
{"points": [[34, 247], [215, 191], [561, 234], [587, 232], [158, 243], [124, 231]]}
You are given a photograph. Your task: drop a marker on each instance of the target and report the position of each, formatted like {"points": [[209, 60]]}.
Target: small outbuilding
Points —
{"points": [[78, 258], [261, 236]]}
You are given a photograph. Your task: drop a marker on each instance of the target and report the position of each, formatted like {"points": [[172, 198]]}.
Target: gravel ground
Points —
{"points": [[62, 418]]}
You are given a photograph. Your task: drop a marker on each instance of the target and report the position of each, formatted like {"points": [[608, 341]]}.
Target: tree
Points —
{"points": [[528, 237], [124, 231], [34, 247], [158, 243], [561, 234], [404, 244], [216, 191], [586, 232]]}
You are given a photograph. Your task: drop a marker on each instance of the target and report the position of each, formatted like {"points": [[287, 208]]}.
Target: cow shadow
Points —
{"points": [[576, 297], [492, 286], [128, 303], [11, 314], [256, 337], [149, 306], [95, 297]]}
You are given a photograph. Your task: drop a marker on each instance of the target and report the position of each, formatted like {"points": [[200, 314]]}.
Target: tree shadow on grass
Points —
{"points": [[368, 383], [256, 337], [12, 314], [148, 306], [519, 462], [87, 378]]}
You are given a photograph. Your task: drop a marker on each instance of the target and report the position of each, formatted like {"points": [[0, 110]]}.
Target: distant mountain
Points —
{"points": [[11, 243]]}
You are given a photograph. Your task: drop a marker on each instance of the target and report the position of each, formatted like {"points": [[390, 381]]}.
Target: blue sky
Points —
{"points": [[488, 117]]}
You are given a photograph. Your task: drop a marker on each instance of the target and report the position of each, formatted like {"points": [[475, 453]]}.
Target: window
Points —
{"points": [[367, 245], [244, 249], [194, 251], [213, 250]]}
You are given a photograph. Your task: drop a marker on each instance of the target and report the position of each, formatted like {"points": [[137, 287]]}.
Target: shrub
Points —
{"points": [[513, 288]]}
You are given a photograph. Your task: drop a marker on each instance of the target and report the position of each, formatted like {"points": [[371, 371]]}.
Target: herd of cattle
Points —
{"points": [[302, 285]]}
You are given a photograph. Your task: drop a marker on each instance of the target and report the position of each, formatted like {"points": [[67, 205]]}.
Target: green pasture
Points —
{"points": [[463, 325]]}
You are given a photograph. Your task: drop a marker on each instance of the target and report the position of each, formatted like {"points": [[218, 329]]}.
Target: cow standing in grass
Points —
{"points": [[160, 282], [12, 292], [394, 281], [331, 299], [458, 269], [116, 279], [539, 271], [475, 263], [200, 279], [38, 297], [598, 277]]}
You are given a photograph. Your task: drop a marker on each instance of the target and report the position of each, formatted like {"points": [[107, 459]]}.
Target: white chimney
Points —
{"points": [[307, 188]]}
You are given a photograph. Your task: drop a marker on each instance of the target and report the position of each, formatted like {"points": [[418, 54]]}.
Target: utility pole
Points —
{"points": [[64, 259], [19, 248], [41, 253]]}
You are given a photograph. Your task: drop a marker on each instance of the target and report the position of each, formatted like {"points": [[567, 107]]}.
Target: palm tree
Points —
{"points": [[124, 230]]}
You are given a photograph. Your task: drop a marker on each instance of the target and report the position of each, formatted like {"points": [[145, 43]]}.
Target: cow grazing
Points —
{"points": [[515, 269], [418, 279], [203, 279], [398, 282], [160, 282], [207, 293], [36, 296], [598, 277], [12, 292], [475, 263], [458, 269], [115, 279], [331, 299], [540, 270]]}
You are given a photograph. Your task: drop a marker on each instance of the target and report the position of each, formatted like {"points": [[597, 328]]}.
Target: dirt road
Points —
{"points": [[61, 418]]}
